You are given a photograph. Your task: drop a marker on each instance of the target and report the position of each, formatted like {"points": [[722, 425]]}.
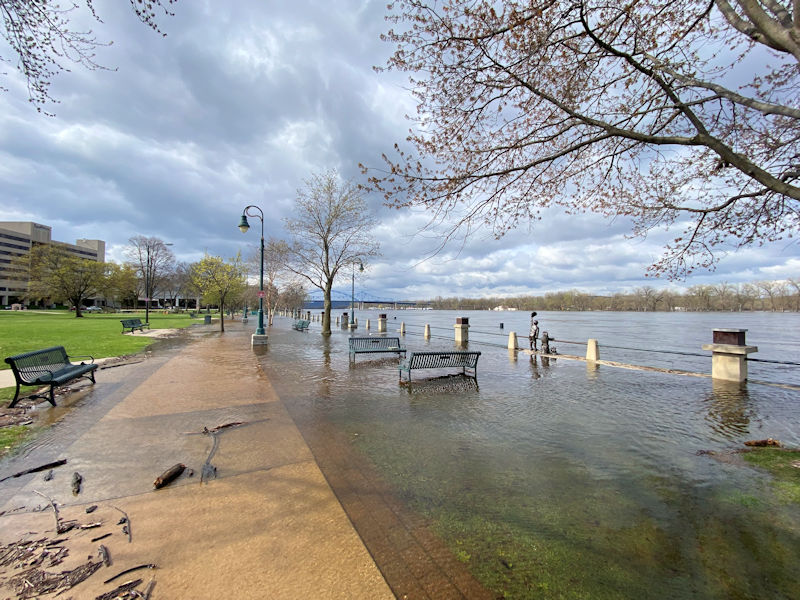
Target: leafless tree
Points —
{"points": [[293, 296], [154, 260], [794, 284], [331, 228], [649, 297], [724, 293], [276, 272], [769, 290]]}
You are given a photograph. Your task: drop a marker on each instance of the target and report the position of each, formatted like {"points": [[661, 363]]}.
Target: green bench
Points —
{"points": [[467, 361], [368, 345], [301, 325], [50, 366], [133, 324]]}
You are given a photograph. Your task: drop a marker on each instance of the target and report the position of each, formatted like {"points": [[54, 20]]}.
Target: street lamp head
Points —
{"points": [[243, 224], [360, 266]]}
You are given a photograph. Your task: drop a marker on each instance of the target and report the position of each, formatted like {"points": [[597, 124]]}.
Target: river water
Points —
{"points": [[551, 478]]}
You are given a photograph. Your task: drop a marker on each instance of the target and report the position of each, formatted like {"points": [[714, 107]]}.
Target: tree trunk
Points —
{"points": [[222, 316], [326, 306], [77, 303]]}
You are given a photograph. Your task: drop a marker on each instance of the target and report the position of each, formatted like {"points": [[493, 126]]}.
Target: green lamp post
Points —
{"points": [[244, 226]]}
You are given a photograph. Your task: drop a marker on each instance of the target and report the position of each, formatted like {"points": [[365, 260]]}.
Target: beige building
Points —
{"points": [[17, 238]]}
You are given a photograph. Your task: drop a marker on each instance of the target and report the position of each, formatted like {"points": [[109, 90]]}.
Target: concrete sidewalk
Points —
{"points": [[266, 526]]}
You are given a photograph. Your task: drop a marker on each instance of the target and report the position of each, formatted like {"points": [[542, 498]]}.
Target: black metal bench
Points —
{"points": [[50, 366], [133, 324], [465, 360], [368, 345], [301, 325]]}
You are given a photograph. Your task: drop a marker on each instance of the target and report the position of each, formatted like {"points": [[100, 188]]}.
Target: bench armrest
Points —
{"points": [[91, 358]]}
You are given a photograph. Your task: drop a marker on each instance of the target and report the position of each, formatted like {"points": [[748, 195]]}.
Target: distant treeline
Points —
{"points": [[776, 296]]}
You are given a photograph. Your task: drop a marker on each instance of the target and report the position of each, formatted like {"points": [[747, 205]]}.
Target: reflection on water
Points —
{"points": [[552, 479], [730, 410], [423, 388], [540, 366]]}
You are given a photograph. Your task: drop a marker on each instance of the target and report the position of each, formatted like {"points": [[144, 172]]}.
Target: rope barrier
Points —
{"points": [[672, 352], [774, 362], [680, 353]]}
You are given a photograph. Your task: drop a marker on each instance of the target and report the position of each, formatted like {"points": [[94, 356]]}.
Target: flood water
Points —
{"points": [[556, 479]]}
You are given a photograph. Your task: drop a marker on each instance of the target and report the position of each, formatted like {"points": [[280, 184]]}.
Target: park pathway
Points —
{"points": [[256, 520]]}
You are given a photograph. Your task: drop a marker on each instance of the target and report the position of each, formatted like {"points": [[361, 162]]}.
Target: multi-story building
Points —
{"points": [[17, 238]]}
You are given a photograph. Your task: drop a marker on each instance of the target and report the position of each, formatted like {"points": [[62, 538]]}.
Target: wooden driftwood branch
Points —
{"points": [[55, 511], [119, 591], [131, 570], [77, 480], [104, 554], [763, 443], [225, 426], [169, 476], [126, 523], [56, 463]]}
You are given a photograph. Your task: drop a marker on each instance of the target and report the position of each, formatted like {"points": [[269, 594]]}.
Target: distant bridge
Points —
{"points": [[341, 300]]}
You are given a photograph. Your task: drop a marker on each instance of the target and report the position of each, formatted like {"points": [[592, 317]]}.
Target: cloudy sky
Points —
{"points": [[238, 105]]}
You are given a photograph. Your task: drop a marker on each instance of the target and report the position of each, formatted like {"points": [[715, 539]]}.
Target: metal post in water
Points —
{"points": [[427, 333]]}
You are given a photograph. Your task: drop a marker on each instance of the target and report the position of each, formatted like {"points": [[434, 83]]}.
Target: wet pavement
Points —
{"points": [[264, 523]]}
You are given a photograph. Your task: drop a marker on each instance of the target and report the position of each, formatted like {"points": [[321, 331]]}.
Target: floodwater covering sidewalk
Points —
{"points": [[550, 478], [263, 522]]}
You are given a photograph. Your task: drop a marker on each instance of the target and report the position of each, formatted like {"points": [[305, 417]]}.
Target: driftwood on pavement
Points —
{"points": [[131, 570], [169, 476], [61, 526], [77, 480], [122, 591], [56, 463], [104, 554], [126, 523]]}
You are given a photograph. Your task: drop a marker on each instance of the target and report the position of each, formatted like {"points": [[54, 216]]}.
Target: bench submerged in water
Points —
{"points": [[50, 366], [301, 325], [369, 345], [467, 361]]}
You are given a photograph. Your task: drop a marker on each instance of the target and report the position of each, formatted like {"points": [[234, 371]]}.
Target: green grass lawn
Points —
{"points": [[11, 437], [784, 464], [97, 335]]}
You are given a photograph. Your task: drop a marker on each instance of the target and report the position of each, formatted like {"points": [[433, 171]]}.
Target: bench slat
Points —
{"points": [[440, 360], [368, 345]]}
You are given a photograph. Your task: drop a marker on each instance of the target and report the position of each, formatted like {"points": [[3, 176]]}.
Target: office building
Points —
{"points": [[17, 238]]}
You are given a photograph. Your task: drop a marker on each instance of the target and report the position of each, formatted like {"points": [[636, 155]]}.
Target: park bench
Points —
{"points": [[368, 345], [133, 324], [50, 366], [301, 325], [441, 360]]}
